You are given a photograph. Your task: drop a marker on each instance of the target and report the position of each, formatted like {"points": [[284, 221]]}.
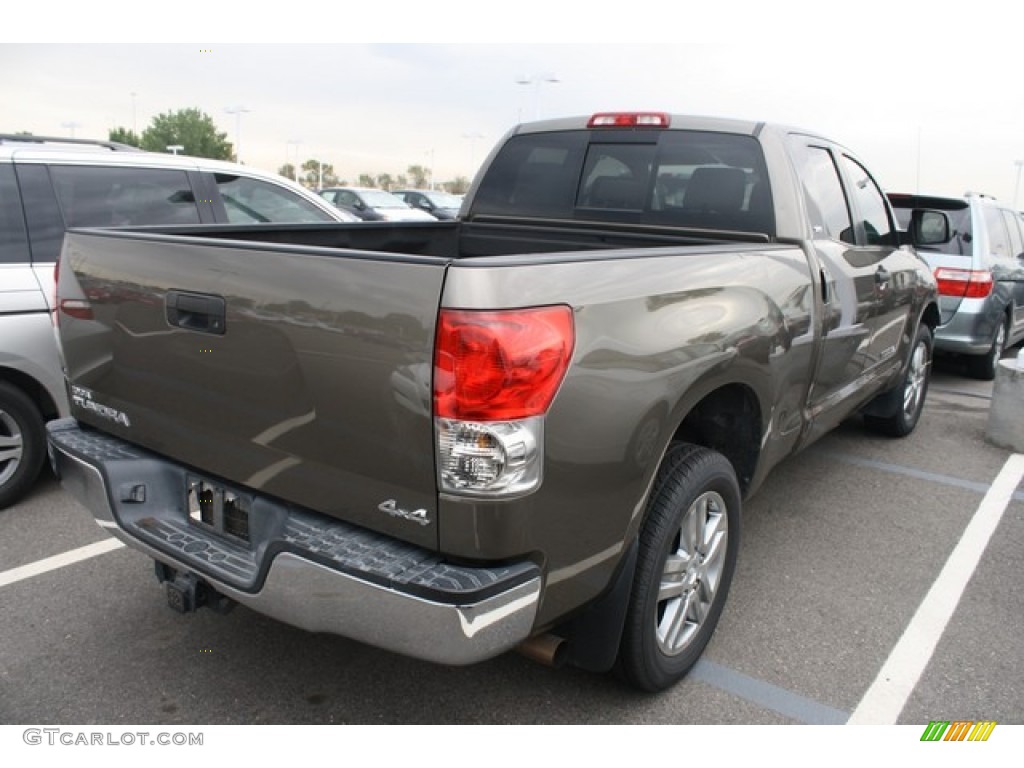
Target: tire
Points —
{"points": [[684, 567], [908, 398], [984, 367], [22, 443]]}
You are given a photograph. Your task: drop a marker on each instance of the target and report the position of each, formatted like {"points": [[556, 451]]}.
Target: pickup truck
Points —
{"points": [[530, 428]]}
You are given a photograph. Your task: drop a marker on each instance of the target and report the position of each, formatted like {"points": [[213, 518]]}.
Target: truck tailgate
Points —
{"points": [[297, 372]]}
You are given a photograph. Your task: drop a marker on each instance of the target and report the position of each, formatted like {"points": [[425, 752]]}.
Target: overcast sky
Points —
{"points": [[931, 101]]}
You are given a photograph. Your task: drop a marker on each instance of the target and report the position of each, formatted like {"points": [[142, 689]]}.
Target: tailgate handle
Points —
{"points": [[198, 312]]}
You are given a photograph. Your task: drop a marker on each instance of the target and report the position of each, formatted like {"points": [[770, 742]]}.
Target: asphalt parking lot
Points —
{"points": [[840, 548]]}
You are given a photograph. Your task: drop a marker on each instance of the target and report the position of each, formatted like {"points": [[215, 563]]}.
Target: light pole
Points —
{"points": [[135, 124], [175, 148], [237, 112], [71, 125], [536, 81], [472, 150], [430, 169], [1016, 187], [295, 168]]}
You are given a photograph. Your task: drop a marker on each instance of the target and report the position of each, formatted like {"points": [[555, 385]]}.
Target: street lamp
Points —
{"points": [[237, 112], [472, 149], [295, 167], [175, 148], [536, 81]]}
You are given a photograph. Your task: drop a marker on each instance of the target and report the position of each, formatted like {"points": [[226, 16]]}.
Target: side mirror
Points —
{"points": [[929, 227]]}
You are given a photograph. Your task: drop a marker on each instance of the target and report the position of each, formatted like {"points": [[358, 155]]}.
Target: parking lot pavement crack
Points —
{"points": [[785, 702]]}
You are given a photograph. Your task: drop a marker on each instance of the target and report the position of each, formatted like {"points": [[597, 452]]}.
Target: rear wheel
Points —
{"points": [[687, 556], [909, 396], [984, 367], [22, 443]]}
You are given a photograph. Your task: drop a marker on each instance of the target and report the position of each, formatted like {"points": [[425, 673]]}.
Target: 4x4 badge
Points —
{"points": [[391, 507]]}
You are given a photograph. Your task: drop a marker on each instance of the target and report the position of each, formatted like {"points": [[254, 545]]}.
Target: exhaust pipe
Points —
{"points": [[546, 649]]}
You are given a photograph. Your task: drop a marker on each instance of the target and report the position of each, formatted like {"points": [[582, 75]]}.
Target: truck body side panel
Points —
{"points": [[656, 331]]}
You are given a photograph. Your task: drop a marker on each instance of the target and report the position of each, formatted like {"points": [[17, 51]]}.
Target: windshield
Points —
{"points": [[443, 199], [378, 198]]}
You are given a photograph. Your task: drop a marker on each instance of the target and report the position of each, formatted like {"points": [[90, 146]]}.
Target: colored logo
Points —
{"points": [[958, 730]]}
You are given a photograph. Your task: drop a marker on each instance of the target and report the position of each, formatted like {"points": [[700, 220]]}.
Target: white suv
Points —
{"points": [[48, 185]]}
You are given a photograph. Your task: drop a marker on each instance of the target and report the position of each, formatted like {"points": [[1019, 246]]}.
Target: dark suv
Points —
{"points": [[47, 185], [980, 272]]}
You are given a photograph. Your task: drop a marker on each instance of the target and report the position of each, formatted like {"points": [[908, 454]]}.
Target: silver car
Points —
{"points": [[980, 273], [49, 184]]}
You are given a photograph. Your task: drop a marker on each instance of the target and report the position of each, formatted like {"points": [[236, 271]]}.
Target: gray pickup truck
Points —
{"points": [[530, 428]]}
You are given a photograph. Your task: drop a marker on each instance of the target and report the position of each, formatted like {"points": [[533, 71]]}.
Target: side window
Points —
{"points": [[998, 240], [13, 240], [42, 213], [249, 201], [1013, 225], [101, 196], [870, 204], [823, 193]]}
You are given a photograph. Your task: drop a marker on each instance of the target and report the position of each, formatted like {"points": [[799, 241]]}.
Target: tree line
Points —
{"points": [[196, 133]]}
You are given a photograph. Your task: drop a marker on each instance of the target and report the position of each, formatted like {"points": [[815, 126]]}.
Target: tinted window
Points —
{"points": [[248, 201], [870, 204], [42, 214], [959, 215], [998, 240], [690, 179], [13, 241], [1012, 224], [93, 196], [823, 193]]}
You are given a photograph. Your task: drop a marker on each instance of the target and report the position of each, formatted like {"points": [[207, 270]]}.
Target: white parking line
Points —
{"points": [[58, 561], [888, 694]]}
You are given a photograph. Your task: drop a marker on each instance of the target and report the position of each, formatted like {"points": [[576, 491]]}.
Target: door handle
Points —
{"points": [[199, 312]]}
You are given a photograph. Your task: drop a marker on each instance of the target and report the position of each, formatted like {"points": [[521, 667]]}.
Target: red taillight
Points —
{"points": [[492, 366], [629, 120], [81, 310], [965, 283]]}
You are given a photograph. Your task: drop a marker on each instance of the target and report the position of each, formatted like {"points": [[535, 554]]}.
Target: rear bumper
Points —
{"points": [[971, 329], [300, 567]]}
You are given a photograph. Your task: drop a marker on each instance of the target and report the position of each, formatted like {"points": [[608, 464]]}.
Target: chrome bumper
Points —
{"points": [[307, 570]]}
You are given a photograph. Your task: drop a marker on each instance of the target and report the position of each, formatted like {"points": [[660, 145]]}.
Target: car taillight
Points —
{"points": [[495, 375], [629, 120], [965, 283], [77, 308]]}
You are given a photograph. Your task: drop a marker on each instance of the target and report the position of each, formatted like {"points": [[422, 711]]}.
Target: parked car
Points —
{"points": [[980, 273], [371, 204], [49, 184], [438, 204]]}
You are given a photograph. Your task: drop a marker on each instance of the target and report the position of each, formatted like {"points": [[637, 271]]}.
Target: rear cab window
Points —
{"points": [[689, 179]]}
